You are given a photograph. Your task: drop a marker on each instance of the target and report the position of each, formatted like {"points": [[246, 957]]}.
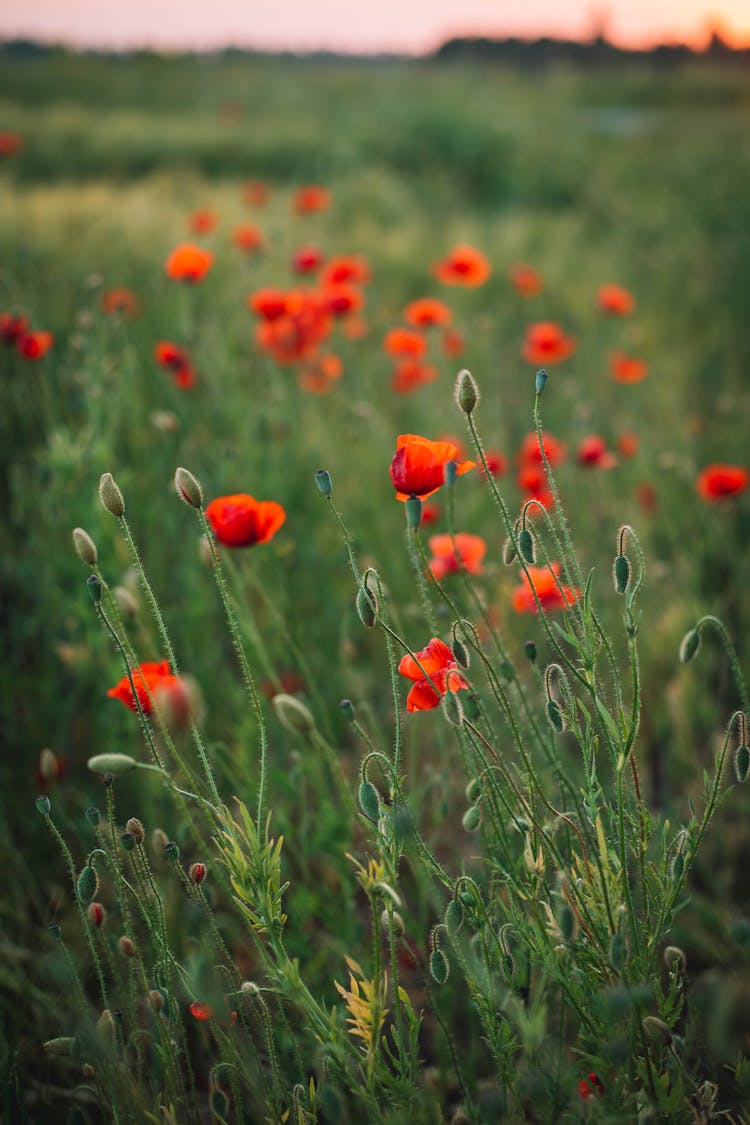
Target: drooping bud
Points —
{"points": [[453, 708], [460, 653], [110, 496], [741, 763], [188, 488], [111, 763], [540, 380], [472, 790], [293, 715], [367, 607], [454, 916], [439, 966], [555, 715], [95, 914], [689, 645], [136, 829], [323, 482], [94, 587], [413, 508], [467, 392], [509, 551], [85, 547], [472, 818], [526, 545], [197, 873], [43, 805], [369, 800], [621, 573], [87, 884]]}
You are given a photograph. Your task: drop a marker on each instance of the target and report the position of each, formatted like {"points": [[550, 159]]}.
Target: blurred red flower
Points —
{"points": [[719, 480], [350, 268], [454, 553], [529, 451], [308, 259], [526, 281], [404, 342], [342, 299], [12, 327], [188, 263], [120, 302], [34, 345], [203, 221], [10, 143], [593, 453], [533, 483], [627, 369], [320, 375], [591, 1087], [241, 521], [311, 198], [205, 1012], [464, 266], [411, 374], [546, 343], [627, 443], [149, 679], [497, 465], [544, 582], [418, 466], [248, 237], [256, 193], [269, 304], [437, 663], [177, 361], [453, 343], [647, 498], [427, 312], [615, 301]]}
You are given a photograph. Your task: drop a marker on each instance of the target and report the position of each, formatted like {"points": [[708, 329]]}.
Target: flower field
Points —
{"points": [[375, 550]]}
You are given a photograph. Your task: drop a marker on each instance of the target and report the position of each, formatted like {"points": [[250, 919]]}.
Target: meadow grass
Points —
{"points": [[553, 903]]}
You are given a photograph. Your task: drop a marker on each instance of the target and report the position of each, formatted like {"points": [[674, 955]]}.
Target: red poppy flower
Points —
{"points": [[533, 483], [544, 581], [297, 333], [593, 453], [437, 663], [464, 266], [427, 312], [346, 268], [34, 345], [453, 343], [431, 513], [341, 300], [454, 553], [241, 521], [203, 221], [10, 143], [248, 237], [204, 1012], [269, 304], [627, 443], [308, 259], [546, 343], [718, 481], [418, 466], [530, 453], [526, 281], [12, 328], [188, 263], [411, 374], [320, 376], [256, 193], [312, 198], [647, 498], [177, 361], [591, 1087], [615, 301], [627, 369], [404, 342], [149, 679], [120, 302], [497, 465]]}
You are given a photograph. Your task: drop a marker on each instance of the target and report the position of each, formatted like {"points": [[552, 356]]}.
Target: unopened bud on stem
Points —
{"points": [[467, 392], [85, 547], [110, 496], [188, 488]]}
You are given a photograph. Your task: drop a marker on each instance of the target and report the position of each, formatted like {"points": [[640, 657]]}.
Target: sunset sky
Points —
{"points": [[412, 26]]}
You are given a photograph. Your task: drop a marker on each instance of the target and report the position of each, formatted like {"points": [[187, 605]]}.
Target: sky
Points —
{"points": [[405, 26]]}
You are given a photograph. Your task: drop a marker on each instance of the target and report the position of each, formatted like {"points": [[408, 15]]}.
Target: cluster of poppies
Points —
{"points": [[16, 332], [428, 323]]}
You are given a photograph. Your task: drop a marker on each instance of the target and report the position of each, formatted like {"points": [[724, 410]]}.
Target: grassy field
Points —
{"points": [[637, 179]]}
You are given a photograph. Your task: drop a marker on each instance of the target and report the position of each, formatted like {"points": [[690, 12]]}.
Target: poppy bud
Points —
{"points": [[467, 392], [62, 1045], [741, 763], [507, 671], [249, 988], [621, 573], [453, 708], [85, 547], [110, 496], [526, 545], [292, 714], [555, 715], [136, 829], [369, 801], [93, 815], [460, 653], [188, 488], [690, 644], [413, 507], [43, 805], [49, 767], [439, 967], [87, 884], [657, 1030], [540, 380], [127, 603], [128, 841], [88, 1071], [366, 607], [618, 952], [473, 789], [159, 841], [675, 959], [323, 482], [111, 763], [346, 707], [472, 818], [471, 706], [454, 916], [126, 947], [219, 1104], [156, 999], [105, 1025], [172, 851], [197, 873], [94, 587], [509, 551], [95, 914], [529, 647]]}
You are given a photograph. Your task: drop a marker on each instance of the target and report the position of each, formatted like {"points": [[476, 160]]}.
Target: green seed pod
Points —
{"points": [[689, 646], [467, 392], [555, 715], [110, 496], [526, 545], [85, 547], [453, 708], [413, 512], [741, 763], [439, 967], [323, 482], [367, 607], [94, 587], [369, 801], [454, 916], [540, 380], [111, 763], [621, 573], [188, 488], [43, 805], [292, 714], [618, 952], [472, 818], [87, 885]]}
